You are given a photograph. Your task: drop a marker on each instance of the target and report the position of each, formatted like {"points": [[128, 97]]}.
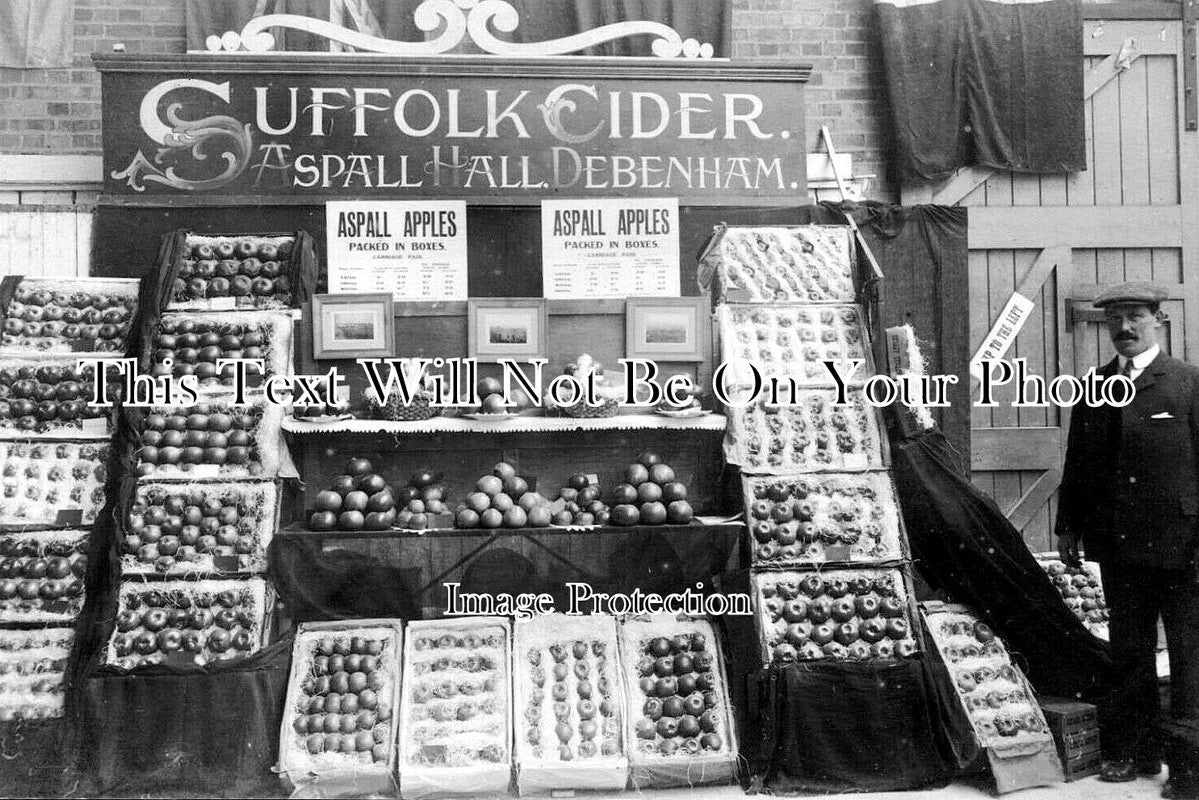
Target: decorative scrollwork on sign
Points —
{"points": [[182, 138], [460, 18]]}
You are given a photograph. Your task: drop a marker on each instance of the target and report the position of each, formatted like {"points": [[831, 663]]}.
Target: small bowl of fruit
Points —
{"points": [[590, 373]]}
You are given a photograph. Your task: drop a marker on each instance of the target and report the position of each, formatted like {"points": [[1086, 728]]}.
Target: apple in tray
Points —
{"points": [[342, 701], [42, 576], [996, 697], [32, 663], [41, 398], [850, 614], [201, 527], [54, 316], [209, 437], [194, 344], [191, 621], [455, 722], [677, 690], [239, 271], [42, 480], [819, 518]]}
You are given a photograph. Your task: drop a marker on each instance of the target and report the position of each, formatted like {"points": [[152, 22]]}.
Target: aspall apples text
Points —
{"points": [[453, 382]]}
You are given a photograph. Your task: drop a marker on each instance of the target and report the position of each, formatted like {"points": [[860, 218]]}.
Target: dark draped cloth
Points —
{"points": [[987, 82], [923, 256], [540, 20], [963, 544]]}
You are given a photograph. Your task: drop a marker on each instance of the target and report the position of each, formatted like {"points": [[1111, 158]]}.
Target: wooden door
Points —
{"points": [[1122, 219]]}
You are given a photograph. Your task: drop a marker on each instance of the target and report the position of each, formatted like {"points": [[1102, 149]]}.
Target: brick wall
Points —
{"points": [[58, 111]]}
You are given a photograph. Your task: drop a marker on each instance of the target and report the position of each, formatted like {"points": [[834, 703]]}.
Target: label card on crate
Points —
{"points": [[95, 426], [69, 516], [205, 471], [226, 563], [610, 248], [415, 250]]}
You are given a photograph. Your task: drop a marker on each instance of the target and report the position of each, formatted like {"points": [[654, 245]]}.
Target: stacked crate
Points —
{"points": [[1075, 729], [194, 526], [830, 569], [54, 445]]}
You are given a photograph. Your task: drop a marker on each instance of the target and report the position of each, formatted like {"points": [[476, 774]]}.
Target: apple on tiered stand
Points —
{"points": [[490, 392], [503, 499], [581, 503], [360, 499], [423, 503], [650, 495]]}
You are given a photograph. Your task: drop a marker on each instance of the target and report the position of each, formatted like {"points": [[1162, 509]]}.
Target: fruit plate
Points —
{"points": [[87, 315], [315, 746], [812, 434], [681, 413], [454, 741], [993, 692], [823, 518], [575, 685], [1081, 589], [793, 341], [840, 614], [189, 622], [802, 263], [51, 483], [209, 441], [41, 576], [196, 342], [256, 272], [679, 725], [199, 528], [50, 397]]}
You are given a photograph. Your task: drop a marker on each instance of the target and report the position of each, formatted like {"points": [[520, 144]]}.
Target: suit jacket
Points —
{"points": [[1130, 486]]}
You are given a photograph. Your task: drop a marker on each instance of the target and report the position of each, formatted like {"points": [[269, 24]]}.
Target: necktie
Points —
{"points": [[1126, 370]]}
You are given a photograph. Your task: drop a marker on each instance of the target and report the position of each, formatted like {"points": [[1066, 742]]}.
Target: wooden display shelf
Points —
{"points": [[701, 525], [519, 424]]}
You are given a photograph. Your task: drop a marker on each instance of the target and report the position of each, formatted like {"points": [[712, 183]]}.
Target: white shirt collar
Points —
{"points": [[1142, 360]]}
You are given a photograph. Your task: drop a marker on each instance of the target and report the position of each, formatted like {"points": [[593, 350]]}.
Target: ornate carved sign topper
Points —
{"points": [[460, 19]]}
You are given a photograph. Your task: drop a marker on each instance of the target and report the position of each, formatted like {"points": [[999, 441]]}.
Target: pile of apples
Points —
{"points": [[206, 433], [246, 267], [83, 321], [35, 398], [503, 500], [169, 525], [156, 622], [41, 576], [582, 503], [357, 500], [195, 346], [650, 495], [835, 615], [677, 681], [345, 707]]}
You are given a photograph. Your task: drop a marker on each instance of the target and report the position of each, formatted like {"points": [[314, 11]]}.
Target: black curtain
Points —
{"points": [[540, 20], [923, 256]]}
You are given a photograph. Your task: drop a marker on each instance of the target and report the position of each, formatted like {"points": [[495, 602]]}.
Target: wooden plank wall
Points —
{"points": [[46, 232], [1134, 160]]}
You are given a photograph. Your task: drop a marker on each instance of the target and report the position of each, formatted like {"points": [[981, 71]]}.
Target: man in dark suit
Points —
{"points": [[1130, 494]]}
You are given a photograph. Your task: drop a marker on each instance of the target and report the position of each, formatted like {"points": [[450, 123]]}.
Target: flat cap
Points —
{"points": [[1135, 293]]}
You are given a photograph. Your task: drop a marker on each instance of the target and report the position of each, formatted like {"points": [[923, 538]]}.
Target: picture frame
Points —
{"points": [[666, 328], [507, 328], [349, 326]]}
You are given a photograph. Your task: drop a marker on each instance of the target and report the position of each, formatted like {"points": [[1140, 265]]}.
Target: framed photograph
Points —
{"points": [[666, 328], [506, 328], [352, 326]]}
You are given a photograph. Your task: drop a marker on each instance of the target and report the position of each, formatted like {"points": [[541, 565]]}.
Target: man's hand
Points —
{"points": [[1067, 550]]}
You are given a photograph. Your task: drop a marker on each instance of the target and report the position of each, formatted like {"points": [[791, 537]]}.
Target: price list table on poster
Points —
{"points": [[610, 248], [415, 251]]}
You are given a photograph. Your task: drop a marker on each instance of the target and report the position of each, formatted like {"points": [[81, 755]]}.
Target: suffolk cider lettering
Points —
{"points": [[450, 135]]}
